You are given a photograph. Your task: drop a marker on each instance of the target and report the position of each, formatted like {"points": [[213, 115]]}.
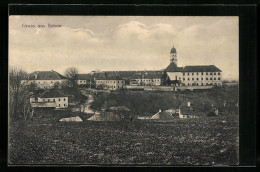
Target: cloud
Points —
{"points": [[128, 45]]}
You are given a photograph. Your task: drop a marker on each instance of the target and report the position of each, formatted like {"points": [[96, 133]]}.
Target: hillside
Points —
{"points": [[149, 102]]}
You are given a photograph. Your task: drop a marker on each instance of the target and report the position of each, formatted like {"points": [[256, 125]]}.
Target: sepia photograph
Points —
{"points": [[123, 90]]}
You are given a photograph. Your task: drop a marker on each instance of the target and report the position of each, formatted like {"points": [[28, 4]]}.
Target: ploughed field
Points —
{"points": [[202, 141]]}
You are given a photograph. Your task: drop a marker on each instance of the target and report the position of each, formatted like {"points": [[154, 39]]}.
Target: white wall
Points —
{"points": [[61, 102]]}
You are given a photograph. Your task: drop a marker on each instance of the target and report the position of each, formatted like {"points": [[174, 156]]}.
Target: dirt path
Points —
{"points": [[88, 103]]}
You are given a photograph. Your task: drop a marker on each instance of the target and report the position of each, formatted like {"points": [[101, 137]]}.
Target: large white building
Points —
{"points": [[45, 79], [193, 75]]}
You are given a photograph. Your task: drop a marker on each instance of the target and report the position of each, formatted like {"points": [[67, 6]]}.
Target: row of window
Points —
{"points": [[202, 79], [53, 100], [64, 105], [109, 82], [194, 84], [202, 73], [148, 80]]}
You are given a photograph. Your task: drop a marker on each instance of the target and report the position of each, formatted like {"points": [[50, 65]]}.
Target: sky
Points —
{"points": [[123, 43]]}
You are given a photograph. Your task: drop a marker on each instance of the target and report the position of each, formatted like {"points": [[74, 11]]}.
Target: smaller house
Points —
{"points": [[187, 111], [146, 79], [49, 99], [83, 79], [111, 82]]}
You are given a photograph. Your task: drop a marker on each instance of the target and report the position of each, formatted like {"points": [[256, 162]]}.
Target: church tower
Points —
{"points": [[173, 56]]}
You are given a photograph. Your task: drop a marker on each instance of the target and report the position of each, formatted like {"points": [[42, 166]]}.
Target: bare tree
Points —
{"points": [[16, 75], [71, 74]]}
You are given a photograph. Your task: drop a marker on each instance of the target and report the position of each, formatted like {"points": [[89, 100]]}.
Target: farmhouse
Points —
{"points": [[45, 79], [187, 111], [49, 99]]}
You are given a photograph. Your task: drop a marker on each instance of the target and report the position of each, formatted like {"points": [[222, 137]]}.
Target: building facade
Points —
{"points": [[114, 82], [145, 79], [50, 98], [45, 79], [193, 75]]}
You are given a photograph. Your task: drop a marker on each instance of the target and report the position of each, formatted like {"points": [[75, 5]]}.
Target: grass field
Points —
{"points": [[203, 141]]}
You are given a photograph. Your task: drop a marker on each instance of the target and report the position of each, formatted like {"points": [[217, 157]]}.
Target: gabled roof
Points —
{"points": [[205, 68], [145, 75], [172, 67], [109, 77], [83, 76], [46, 75], [129, 74], [52, 94]]}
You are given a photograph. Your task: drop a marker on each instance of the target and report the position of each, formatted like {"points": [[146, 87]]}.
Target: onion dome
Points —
{"points": [[173, 50]]}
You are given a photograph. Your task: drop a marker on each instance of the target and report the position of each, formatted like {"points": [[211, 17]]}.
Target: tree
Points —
{"points": [[16, 75], [71, 74]]}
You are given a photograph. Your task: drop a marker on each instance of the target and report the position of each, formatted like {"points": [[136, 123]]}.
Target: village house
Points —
{"points": [[146, 79], [187, 111], [111, 82], [83, 79], [45, 79], [50, 99]]}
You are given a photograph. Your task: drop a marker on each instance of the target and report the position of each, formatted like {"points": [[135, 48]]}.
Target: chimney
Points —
{"points": [[188, 104]]}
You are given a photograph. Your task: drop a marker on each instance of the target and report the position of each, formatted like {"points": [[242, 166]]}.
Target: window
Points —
{"points": [[197, 73], [201, 83], [183, 73], [122, 81], [31, 82], [201, 73], [59, 99], [210, 73], [48, 100], [197, 84], [210, 78], [188, 73], [51, 81], [206, 78], [114, 82], [214, 78], [117, 86], [80, 81], [192, 79], [64, 99], [64, 104], [53, 100], [197, 79], [201, 78], [206, 73], [183, 79], [188, 79], [218, 78], [192, 73], [59, 105], [188, 84], [214, 73], [117, 81], [179, 78], [219, 73]]}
